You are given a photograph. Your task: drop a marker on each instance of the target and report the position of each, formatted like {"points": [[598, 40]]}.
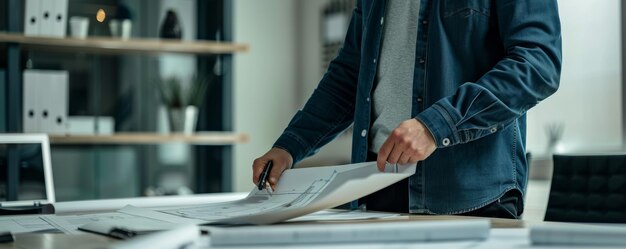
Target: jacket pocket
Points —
{"points": [[466, 8]]}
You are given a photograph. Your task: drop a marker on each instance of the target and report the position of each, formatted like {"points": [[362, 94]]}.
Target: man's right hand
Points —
{"points": [[281, 160]]}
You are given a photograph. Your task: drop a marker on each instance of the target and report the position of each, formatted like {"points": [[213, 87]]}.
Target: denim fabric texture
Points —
{"points": [[480, 65]]}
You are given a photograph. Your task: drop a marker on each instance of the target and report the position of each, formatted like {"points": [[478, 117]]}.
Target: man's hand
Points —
{"points": [[410, 142], [281, 160]]}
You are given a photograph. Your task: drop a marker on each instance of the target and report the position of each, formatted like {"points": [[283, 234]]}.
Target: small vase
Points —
{"points": [[183, 119]]}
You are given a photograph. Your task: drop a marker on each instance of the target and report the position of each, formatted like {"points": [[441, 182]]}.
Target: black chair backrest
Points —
{"points": [[588, 188]]}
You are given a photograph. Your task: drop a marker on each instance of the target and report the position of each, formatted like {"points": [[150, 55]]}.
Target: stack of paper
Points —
{"points": [[579, 234], [398, 232]]}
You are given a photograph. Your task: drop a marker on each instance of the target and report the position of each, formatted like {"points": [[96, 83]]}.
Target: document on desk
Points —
{"points": [[26, 224], [300, 192], [343, 215], [69, 224]]}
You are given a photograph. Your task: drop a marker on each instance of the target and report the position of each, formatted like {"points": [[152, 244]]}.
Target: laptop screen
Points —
{"points": [[31, 155]]}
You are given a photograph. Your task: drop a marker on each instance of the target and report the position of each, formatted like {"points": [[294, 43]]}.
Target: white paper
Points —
{"points": [[404, 231], [110, 205], [519, 238], [127, 217], [69, 223], [579, 235], [339, 215], [25, 224], [300, 192], [155, 215], [180, 237], [393, 245]]}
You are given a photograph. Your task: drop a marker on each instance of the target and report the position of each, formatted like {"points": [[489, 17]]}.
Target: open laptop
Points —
{"points": [[31, 152]]}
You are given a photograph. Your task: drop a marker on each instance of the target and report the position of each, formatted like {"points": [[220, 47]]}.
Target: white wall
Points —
{"points": [[588, 102], [309, 75], [264, 79]]}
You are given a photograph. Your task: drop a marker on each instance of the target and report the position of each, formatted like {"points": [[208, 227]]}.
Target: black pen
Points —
{"points": [[264, 175]]}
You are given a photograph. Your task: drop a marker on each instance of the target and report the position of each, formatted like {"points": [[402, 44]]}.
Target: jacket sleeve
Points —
{"points": [[330, 109], [530, 72]]}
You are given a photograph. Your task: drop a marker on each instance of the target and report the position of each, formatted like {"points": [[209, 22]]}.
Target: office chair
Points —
{"points": [[588, 188]]}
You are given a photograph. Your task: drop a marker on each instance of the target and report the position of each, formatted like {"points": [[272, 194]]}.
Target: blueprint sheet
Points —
{"points": [[300, 192], [26, 224], [69, 224]]}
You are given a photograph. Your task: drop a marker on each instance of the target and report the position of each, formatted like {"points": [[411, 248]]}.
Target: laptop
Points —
{"points": [[31, 152]]}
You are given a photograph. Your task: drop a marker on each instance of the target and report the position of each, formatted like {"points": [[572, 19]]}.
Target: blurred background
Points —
{"points": [[128, 68]]}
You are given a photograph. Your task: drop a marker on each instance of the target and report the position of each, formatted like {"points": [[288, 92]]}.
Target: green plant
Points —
{"points": [[175, 96]]}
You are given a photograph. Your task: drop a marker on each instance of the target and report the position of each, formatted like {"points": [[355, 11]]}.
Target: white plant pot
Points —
{"points": [[183, 119]]}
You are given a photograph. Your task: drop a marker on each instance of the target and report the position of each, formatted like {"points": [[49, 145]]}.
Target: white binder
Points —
{"points": [[59, 18], [45, 14], [32, 9], [54, 99], [30, 101], [45, 101]]}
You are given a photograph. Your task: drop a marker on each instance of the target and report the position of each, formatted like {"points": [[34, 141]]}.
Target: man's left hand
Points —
{"points": [[410, 142]]}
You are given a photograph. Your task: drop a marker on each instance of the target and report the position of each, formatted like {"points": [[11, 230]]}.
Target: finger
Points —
{"points": [[257, 168], [396, 153], [405, 158], [383, 154], [277, 171]]}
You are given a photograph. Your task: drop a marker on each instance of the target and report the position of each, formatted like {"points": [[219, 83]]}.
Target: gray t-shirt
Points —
{"points": [[392, 95]]}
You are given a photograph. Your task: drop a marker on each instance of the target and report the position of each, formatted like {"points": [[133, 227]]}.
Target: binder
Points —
{"points": [[45, 13], [32, 9], [54, 88], [59, 18], [30, 101], [45, 101], [3, 109]]}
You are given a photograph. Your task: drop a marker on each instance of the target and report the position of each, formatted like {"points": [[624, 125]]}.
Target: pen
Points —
{"points": [[264, 175]]}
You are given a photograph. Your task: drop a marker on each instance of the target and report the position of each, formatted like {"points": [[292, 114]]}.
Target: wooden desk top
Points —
{"points": [[89, 241]]}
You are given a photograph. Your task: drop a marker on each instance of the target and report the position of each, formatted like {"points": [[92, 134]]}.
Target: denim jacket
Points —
{"points": [[479, 66]]}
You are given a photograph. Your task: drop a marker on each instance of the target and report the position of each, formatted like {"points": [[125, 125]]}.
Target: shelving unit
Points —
{"points": [[211, 47], [201, 138], [106, 45]]}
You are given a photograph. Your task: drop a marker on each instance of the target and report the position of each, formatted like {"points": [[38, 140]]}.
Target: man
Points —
{"points": [[445, 83]]}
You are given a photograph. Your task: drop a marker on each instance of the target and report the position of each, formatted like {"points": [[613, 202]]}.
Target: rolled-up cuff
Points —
{"points": [[440, 125], [293, 144]]}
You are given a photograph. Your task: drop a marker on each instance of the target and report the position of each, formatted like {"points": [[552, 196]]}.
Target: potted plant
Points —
{"points": [[182, 102]]}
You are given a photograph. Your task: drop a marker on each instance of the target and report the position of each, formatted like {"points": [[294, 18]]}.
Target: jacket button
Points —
{"points": [[425, 22], [382, 20], [494, 129], [419, 100], [374, 61], [363, 133], [368, 99], [445, 142], [422, 61]]}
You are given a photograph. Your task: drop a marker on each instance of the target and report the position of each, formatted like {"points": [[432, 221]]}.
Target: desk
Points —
{"points": [[89, 241], [50, 241]]}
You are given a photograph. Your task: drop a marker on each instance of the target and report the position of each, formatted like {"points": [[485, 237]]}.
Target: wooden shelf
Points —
{"points": [[107, 45], [201, 138]]}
